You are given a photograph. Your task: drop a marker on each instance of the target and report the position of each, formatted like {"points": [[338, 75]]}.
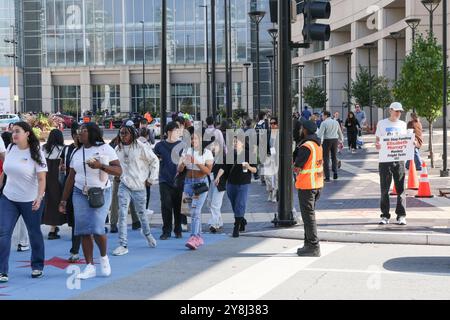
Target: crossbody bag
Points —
{"points": [[96, 196]]}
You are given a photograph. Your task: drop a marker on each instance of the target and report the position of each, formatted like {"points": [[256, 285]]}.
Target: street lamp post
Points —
{"points": [[349, 56], [302, 66], [247, 65], [163, 91], [208, 97], [431, 5], [273, 32], [445, 172], [325, 61], [272, 82], [213, 60], [256, 17], [370, 46], [13, 41], [143, 67], [413, 23]]}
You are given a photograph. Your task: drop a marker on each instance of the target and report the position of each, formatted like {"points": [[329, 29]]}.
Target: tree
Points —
{"points": [[360, 87], [420, 83], [314, 94], [382, 95]]}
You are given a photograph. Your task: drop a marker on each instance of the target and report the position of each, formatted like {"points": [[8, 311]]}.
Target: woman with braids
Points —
{"points": [[23, 195], [54, 153], [140, 168], [90, 166]]}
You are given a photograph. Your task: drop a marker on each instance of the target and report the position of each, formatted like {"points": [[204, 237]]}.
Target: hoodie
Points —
{"points": [[301, 154]]}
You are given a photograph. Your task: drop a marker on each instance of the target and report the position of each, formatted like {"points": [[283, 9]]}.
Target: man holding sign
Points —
{"points": [[394, 146]]}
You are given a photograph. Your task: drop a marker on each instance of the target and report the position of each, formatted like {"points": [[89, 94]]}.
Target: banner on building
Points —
{"points": [[397, 148], [5, 101]]}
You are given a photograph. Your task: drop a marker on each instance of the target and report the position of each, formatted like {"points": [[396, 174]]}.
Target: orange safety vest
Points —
{"points": [[311, 176]]}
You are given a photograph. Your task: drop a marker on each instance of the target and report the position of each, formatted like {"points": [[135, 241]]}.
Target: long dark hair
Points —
{"points": [[55, 139], [33, 142], [7, 138], [132, 132], [351, 113], [94, 133]]}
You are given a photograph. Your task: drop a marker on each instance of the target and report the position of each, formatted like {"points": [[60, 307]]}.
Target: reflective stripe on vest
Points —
{"points": [[311, 174]]}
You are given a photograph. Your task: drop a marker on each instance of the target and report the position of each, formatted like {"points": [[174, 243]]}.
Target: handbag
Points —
{"points": [[185, 200], [178, 182], [96, 197], [200, 188]]}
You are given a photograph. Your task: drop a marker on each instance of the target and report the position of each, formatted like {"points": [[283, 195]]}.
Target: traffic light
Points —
{"points": [[313, 10]]}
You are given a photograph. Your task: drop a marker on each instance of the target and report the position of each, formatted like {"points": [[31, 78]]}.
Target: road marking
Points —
{"points": [[259, 279]]}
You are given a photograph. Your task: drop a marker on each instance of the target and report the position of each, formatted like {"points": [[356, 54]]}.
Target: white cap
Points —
{"points": [[396, 106], [129, 123]]}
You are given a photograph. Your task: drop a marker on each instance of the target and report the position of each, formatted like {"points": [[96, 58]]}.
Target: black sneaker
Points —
{"points": [[308, 252], [212, 229], [21, 248], [164, 236], [114, 228], [327, 180], [136, 225], [53, 236], [335, 176], [37, 274], [242, 225], [178, 235]]}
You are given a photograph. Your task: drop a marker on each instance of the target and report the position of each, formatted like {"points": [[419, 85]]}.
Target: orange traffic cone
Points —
{"points": [[393, 192], [111, 124], [424, 185], [413, 180]]}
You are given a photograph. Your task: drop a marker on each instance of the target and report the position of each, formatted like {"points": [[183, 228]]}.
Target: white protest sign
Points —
{"points": [[397, 148]]}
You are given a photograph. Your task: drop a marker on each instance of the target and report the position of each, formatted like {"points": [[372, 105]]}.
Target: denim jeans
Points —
{"points": [[215, 200], [237, 193], [195, 207], [114, 212], [389, 171], [139, 199], [330, 146], [10, 212], [417, 160]]}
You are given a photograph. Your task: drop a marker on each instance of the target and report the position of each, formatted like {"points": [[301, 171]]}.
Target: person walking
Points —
{"points": [[239, 176], [270, 165], [309, 183], [352, 125], [198, 164], [140, 168], [330, 133], [23, 196], [362, 120], [90, 168], [69, 152], [54, 152], [306, 114], [392, 126], [144, 133], [415, 125], [170, 195]]}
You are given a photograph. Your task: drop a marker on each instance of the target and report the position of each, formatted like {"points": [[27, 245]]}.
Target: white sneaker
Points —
{"points": [[274, 197], [88, 272], [150, 240], [149, 212], [105, 267], [384, 221], [120, 251], [184, 227], [269, 198], [401, 221]]}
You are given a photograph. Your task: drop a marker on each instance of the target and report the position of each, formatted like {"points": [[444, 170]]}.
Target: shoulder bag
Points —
{"points": [[96, 197]]}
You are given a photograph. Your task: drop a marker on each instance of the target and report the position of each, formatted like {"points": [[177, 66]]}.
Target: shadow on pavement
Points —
{"points": [[435, 265]]}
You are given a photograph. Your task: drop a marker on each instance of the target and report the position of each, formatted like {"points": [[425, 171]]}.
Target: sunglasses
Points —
{"points": [[273, 123]]}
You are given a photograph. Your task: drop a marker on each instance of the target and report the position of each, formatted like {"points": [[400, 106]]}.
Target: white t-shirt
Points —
{"points": [[201, 159], [92, 175], [386, 127], [21, 170], [2, 145]]}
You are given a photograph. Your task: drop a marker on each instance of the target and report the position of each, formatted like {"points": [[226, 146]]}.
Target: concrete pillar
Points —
{"points": [[125, 90], [86, 90], [47, 91]]}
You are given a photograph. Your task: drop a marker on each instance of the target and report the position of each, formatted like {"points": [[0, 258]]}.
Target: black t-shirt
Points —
{"points": [[235, 173]]}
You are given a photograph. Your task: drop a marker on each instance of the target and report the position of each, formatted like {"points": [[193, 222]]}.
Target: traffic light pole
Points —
{"points": [[285, 204], [163, 91]]}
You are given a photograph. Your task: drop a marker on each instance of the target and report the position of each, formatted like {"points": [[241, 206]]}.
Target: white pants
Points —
{"points": [[215, 199], [22, 233]]}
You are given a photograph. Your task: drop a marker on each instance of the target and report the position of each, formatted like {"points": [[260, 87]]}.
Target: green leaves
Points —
{"points": [[420, 82], [314, 94]]}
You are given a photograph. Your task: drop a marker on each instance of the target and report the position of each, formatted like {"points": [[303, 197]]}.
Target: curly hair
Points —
{"points": [[33, 142]]}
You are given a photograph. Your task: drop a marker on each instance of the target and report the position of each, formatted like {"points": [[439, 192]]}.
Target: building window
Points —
{"points": [[152, 98], [106, 98], [67, 99], [186, 98], [237, 95]]}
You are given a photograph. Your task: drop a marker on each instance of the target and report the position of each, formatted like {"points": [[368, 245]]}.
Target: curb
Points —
{"points": [[358, 236]]}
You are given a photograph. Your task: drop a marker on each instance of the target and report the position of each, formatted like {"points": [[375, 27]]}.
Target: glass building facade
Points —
{"points": [[9, 16]]}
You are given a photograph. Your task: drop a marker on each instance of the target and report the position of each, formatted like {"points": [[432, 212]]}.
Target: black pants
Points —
{"points": [[170, 204], [330, 146], [352, 137], [307, 200], [76, 242], [388, 171]]}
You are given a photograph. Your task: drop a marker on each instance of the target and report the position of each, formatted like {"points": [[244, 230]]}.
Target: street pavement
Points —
{"points": [[360, 259]]}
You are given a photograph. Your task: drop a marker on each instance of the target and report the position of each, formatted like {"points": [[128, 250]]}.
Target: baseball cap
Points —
{"points": [[396, 106], [309, 125], [129, 123]]}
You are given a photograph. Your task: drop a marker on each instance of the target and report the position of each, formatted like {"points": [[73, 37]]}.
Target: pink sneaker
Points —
{"points": [[200, 240], [192, 243]]}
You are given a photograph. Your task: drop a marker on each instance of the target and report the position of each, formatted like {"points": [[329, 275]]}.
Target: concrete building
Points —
{"points": [[78, 55], [355, 23]]}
